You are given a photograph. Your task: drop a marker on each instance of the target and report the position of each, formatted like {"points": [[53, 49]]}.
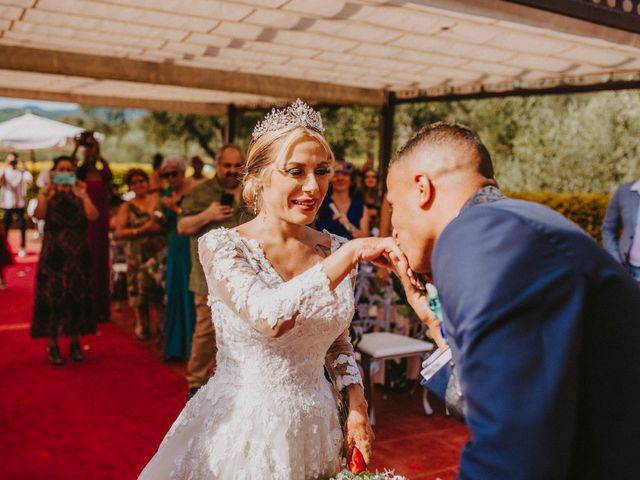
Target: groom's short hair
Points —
{"points": [[449, 134]]}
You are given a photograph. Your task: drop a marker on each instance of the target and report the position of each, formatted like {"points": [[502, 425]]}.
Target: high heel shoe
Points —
{"points": [[75, 351], [54, 355]]}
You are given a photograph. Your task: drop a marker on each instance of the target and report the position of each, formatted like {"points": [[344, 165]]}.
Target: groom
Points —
{"points": [[543, 324]]}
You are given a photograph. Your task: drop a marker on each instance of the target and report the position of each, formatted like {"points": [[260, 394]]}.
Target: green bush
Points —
{"points": [[585, 209]]}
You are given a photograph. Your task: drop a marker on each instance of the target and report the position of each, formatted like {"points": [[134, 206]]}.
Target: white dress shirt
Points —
{"points": [[14, 184]]}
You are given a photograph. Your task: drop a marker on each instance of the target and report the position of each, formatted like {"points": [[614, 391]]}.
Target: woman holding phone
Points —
{"points": [[63, 298]]}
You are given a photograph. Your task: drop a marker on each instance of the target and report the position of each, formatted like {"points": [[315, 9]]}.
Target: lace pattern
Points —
{"points": [[268, 412]]}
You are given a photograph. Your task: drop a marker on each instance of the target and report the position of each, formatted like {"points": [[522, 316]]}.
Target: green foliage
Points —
{"points": [[205, 130], [553, 143], [562, 143], [586, 210], [352, 132]]}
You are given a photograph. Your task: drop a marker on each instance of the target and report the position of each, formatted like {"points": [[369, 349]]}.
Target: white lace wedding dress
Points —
{"points": [[269, 411]]}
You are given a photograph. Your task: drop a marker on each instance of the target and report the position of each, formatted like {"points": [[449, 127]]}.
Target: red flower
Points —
{"points": [[357, 464]]}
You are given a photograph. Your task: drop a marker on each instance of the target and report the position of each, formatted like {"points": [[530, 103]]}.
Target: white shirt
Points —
{"points": [[14, 187], [634, 253]]}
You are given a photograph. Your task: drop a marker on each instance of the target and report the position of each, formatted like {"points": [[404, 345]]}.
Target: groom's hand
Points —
{"points": [[417, 297]]}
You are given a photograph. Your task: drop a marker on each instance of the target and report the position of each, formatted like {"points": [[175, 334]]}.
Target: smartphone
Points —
{"points": [[227, 199], [64, 178]]}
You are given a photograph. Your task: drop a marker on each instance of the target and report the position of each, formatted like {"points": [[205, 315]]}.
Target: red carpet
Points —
{"points": [[100, 419], [104, 418]]}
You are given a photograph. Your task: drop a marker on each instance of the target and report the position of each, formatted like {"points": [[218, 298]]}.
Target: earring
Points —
{"points": [[255, 208]]}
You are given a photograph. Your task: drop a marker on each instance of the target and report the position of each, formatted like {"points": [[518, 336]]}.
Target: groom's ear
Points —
{"points": [[424, 189]]}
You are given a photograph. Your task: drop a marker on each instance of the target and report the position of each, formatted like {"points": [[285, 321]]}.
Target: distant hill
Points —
{"points": [[9, 113]]}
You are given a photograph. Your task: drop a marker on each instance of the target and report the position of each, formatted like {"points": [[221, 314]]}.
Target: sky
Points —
{"points": [[22, 103]]}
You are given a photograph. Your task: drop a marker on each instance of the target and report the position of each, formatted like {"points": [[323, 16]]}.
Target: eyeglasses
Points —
{"points": [[173, 174]]}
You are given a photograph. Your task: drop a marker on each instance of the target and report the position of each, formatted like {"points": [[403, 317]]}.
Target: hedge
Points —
{"points": [[586, 210]]}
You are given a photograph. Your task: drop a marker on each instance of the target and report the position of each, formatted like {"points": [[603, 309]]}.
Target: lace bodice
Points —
{"points": [[245, 288], [268, 412]]}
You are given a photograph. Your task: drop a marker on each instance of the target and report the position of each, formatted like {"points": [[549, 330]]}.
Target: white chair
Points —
{"points": [[378, 346]]}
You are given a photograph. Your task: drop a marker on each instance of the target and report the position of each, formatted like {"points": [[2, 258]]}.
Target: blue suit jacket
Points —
{"points": [[544, 327], [621, 216]]}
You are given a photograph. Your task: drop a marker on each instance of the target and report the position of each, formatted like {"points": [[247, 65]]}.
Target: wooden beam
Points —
{"points": [[523, 92], [601, 13], [165, 73], [199, 108], [518, 13]]}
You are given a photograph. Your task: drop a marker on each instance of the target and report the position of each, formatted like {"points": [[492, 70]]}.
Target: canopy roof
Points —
{"points": [[31, 132], [202, 55]]}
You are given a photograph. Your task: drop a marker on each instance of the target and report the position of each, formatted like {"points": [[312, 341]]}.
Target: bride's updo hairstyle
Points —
{"points": [[268, 151]]}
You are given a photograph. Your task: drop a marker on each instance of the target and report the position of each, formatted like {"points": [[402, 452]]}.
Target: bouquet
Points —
{"points": [[386, 475], [357, 468]]}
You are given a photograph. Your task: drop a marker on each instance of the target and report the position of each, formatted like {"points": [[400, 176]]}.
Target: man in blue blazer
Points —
{"points": [[622, 216], [544, 326]]}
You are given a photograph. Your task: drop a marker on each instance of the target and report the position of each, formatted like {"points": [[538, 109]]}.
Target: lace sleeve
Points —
{"points": [[341, 363], [232, 279]]}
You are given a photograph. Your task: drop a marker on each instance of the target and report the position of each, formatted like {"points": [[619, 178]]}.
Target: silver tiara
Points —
{"points": [[298, 113]]}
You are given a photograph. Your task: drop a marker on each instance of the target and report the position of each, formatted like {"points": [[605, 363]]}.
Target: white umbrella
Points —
{"points": [[31, 132]]}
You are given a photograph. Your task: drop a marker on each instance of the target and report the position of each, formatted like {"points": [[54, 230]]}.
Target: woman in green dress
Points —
{"points": [[141, 223]]}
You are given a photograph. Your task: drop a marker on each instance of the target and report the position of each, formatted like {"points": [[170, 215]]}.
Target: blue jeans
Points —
{"points": [[635, 272]]}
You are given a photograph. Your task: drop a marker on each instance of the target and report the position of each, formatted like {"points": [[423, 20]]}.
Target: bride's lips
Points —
{"points": [[306, 204]]}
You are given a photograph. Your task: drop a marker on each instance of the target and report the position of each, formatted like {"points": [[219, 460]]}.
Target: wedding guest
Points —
{"points": [[543, 324], [141, 223], [198, 166], [340, 213], [371, 195], [156, 183], [63, 303], [6, 258], [14, 180], [621, 228], [215, 203], [179, 317], [95, 172]]}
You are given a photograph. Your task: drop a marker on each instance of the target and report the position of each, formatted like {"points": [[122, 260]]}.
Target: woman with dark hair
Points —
{"points": [[141, 223], [371, 195], [63, 300], [341, 213], [94, 171]]}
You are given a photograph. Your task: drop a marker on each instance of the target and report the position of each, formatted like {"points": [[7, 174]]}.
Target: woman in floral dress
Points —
{"points": [[141, 223]]}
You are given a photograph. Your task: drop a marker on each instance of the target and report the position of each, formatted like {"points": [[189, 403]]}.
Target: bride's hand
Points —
{"points": [[358, 432], [376, 250]]}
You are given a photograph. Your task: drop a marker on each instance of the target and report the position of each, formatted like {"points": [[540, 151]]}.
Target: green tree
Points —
{"points": [[205, 130]]}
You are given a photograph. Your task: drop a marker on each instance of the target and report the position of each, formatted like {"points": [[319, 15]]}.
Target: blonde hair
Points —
{"points": [[270, 149]]}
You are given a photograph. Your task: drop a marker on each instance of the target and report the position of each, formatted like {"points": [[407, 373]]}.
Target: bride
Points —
{"points": [[281, 295]]}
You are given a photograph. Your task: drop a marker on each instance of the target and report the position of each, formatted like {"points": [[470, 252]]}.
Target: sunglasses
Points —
{"points": [[173, 174]]}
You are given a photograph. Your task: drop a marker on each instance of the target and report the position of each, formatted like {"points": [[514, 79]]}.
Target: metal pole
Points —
{"points": [[230, 128], [386, 134]]}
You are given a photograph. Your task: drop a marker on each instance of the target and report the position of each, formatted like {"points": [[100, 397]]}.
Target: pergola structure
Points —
{"points": [[219, 56]]}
